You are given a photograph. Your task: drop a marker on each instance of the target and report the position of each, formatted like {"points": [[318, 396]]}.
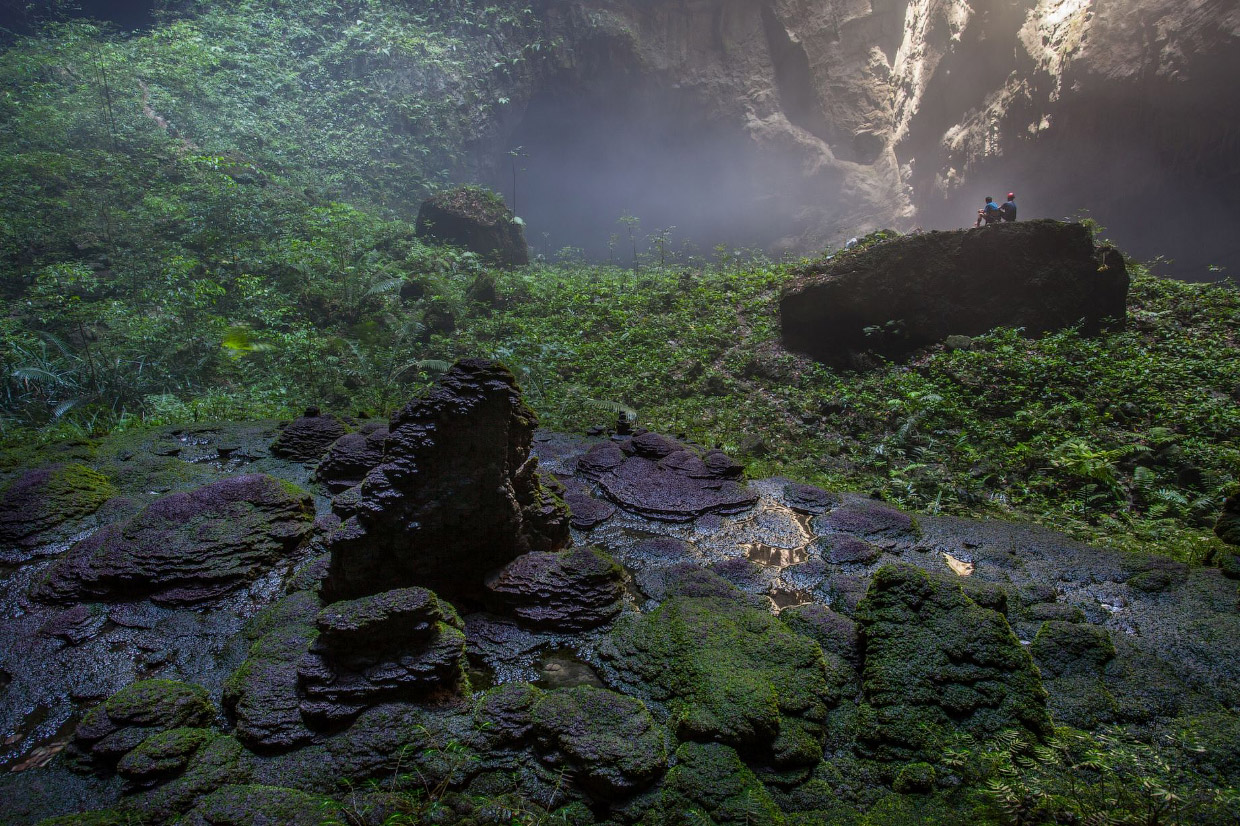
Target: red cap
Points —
{"points": [[1011, 195]]}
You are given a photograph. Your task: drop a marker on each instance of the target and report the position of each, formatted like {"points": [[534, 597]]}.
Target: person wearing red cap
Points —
{"points": [[1009, 209]]}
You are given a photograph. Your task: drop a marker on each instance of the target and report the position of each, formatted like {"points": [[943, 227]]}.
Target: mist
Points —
{"points": [[588, 157]]}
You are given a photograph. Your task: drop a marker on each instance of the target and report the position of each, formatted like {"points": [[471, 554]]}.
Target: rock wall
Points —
{"points": [[871, 113]]}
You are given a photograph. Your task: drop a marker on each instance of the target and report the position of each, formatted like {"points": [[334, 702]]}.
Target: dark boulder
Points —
{"points": [[186, 547], [568, 590], [660, 478], [351, 457], [399, 645], [46, 505], [307, 438], [476, 219], [907, 293], [457, 496], [935, 662]]}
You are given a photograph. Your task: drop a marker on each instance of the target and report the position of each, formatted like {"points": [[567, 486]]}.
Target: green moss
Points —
{"points": [[728, 672], [164, 754], [608, 742], [160, 704], [915, 778], [711, 784], [78, 488], [249, 805], [936, 664]]}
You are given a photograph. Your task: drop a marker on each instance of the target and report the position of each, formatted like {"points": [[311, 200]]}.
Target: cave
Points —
{"points": [[590, 154]]}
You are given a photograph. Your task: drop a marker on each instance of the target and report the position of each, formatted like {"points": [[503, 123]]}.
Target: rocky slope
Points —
{"points": [[766, 652]]}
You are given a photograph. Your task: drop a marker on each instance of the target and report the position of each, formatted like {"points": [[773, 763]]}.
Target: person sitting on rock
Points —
{"points": [[1008, 210], [989, 213]]}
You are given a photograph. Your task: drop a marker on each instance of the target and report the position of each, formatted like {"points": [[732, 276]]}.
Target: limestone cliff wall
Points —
{"points": [[904, 112]]}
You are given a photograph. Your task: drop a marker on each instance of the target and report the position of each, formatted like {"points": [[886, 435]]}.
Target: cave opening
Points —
{"points": [[590, 155]]}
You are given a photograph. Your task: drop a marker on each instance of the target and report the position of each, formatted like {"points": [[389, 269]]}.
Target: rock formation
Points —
{"points": [[477, 220], [402, 644], [566, 591], [663, 479], [305, 439], [906, 293], [457, 496], [187, 547], [46, 505], [845, 117], [935, 662]]}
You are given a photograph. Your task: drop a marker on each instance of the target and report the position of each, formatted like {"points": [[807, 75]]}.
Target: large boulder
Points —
{"points": [[476, 219], [906, 293], [569, 590], [607, 743], [187, 547], [457, 496], [725, 671]]}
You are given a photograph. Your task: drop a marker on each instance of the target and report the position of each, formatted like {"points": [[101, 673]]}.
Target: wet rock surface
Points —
{"points": [[187, 547], [910, 292], [660, 478], [736, 663]]}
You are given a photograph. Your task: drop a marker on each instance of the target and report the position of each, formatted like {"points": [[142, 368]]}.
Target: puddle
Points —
{"points": [[961, 567], [563, 669], [41, 751], [783, 598], [765, 554]]}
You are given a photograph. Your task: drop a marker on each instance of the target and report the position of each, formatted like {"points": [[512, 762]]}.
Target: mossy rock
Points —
{"points": [[161, 704], [163, 755], [935, 664], [711, 784], [220, 762], [609, 743], [103, 817], [48, 505], [914, 778], [114, 728], [727, 672], [250, 805]]}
